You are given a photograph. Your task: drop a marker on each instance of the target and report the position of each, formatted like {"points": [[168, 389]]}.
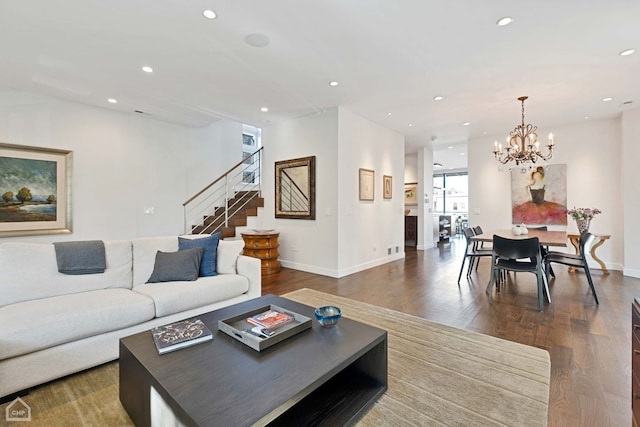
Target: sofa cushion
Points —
{"points": [[182, 265], [144, 255], [228, 251], [29, 271], [173, 297], [209, 256], [34, 325]]}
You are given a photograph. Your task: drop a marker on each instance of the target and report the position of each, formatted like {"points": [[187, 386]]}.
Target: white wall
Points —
{"points": [[342, 238], [367, 230], [305, 244], [631, 191], [122, 163], [426, 226], [411, 175], [592, 152]]}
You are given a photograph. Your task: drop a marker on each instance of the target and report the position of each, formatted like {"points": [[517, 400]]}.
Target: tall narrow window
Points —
{"points": [[251, 142], [451, 199]]}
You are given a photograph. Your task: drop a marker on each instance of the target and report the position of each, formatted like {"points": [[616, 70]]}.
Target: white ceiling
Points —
{"points": [[390, 57]]}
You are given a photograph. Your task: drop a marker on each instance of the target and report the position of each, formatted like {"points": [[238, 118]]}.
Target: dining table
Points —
{"points": [[547, 238]]}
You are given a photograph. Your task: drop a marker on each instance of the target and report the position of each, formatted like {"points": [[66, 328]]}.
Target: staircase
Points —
{"points": [[226, 203]]}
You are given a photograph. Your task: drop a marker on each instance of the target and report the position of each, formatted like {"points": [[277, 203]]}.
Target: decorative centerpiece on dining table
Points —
{"points": [[583, 217]]}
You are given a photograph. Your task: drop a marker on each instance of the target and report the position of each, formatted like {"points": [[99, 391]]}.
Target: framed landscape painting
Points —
{"points": [[35, 190]]}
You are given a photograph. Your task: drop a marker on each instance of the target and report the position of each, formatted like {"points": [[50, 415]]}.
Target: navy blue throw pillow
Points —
{"points": [[209, 257]]}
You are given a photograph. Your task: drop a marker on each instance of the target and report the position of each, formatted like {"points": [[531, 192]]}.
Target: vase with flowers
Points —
{"points": [[583, 217]]}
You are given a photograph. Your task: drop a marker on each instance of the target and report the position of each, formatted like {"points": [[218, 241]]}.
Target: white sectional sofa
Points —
{"points": [[54, 324]]}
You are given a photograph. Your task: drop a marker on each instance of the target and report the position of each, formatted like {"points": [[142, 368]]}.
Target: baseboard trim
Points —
{"points": [[336, 274]]}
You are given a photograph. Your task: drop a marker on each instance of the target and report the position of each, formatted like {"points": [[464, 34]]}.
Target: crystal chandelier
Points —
{"points": [[522, 144]]}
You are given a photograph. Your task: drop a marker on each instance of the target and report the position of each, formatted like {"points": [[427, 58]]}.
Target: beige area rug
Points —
{"points": [[438, 375]]}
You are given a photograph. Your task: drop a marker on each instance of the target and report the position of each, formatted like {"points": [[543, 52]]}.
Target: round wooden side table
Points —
{"points": [[263, 244]]}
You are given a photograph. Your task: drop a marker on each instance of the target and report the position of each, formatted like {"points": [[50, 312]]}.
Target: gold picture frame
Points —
{"points": [[35, 190], [366, 184], [387, 186]]}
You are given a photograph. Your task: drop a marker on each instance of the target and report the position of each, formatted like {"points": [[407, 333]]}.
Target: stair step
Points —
{"points": [[228, 232], [242, 205]]}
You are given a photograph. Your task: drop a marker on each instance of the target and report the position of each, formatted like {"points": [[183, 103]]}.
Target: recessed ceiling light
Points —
{"points": [[410, 124], [438, 98], [607, 99], [264, 109], [504, 21], [209, 14], [388, 114], [113, 101], [627, 52], [147, 69], [466, 124], [333, 83], [462, 154], [450, 147], [586, 117]]}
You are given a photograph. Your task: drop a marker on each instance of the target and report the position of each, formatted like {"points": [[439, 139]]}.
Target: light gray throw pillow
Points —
{"points": [[177, 266]]}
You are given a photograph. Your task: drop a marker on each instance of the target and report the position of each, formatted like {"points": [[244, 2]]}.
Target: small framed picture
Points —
{"points": [[366, 184], [386, 186], [410, 193]]}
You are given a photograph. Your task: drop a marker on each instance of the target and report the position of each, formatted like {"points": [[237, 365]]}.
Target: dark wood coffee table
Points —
{"points": [[321, 376]]}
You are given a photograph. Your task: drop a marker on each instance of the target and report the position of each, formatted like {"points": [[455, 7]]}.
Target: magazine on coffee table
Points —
{"points": [[270, 319], [180, 334], [245, 328]]}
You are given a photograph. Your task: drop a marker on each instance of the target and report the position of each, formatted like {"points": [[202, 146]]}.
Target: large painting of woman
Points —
{"points": [[539, 195]]}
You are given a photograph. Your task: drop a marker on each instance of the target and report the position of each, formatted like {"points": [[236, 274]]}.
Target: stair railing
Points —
{"points": [[211, 209]]}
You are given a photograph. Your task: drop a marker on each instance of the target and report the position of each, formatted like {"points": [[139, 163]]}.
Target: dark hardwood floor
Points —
{"points": [[589, 344]]}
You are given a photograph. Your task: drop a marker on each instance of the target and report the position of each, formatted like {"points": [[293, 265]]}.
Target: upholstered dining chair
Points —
{"points": [[578, 261], [471, 253], [521, 255]]}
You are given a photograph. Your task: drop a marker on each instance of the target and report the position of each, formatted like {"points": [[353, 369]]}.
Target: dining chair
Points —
{"points": [[478, 230], [479, 246], [578, 260], [544, 250], [521, 255], [471, 253]]}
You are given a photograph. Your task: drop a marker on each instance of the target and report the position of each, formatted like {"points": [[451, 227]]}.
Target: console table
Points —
{"points": [[263, 244], [600, 238]]}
